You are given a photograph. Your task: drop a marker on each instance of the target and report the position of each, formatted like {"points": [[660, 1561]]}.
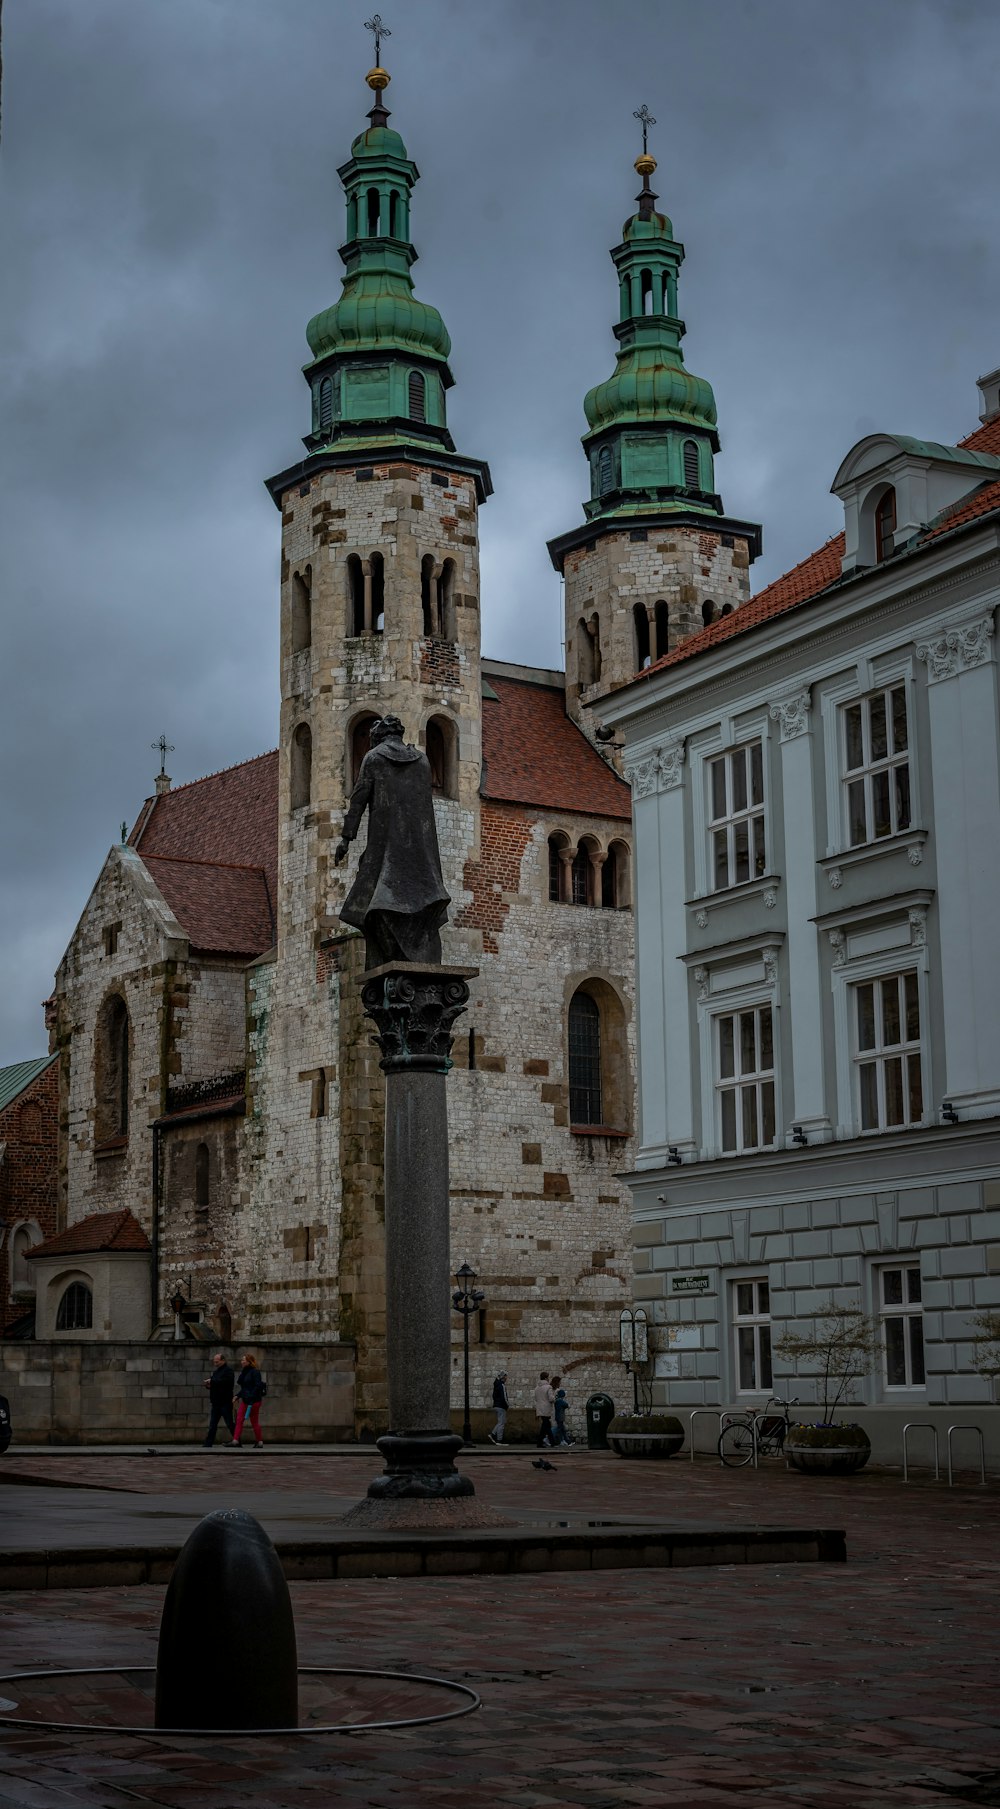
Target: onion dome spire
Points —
{"points": [[652, 425]]}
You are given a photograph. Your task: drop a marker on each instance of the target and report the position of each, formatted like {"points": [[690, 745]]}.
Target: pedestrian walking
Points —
{"points": [[500, 1406], [220, 1386], [561, 1435], [544, 1397], [250, 1391]]}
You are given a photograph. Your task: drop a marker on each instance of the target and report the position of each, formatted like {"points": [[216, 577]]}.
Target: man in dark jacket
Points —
{"points": [[220, 1396], [398, 897], [501, 1404]]}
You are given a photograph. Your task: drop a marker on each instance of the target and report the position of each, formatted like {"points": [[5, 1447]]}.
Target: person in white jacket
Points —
{"points": [[544, 1397]]}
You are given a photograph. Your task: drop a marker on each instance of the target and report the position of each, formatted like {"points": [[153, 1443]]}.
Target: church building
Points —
{"points": [[217, 1078]]}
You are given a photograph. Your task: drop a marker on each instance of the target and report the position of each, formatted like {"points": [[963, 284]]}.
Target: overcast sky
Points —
{"points": [[171, 213]]}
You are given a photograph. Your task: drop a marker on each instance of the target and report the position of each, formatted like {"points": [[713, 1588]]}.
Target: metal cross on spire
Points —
{"points": [[374, 24], [163, 747], [645, 118]]}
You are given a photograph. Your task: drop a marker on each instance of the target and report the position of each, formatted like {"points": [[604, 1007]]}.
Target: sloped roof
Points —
{"points": [[533, 753], [812, 576], [224, 910], [212, 849], [101, 1231], [14, 1079]]}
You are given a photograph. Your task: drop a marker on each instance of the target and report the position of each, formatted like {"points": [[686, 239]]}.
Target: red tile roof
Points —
{"points": [[101, 1231], [212, 849], [814, 575], [223, 910], [534, 754]]}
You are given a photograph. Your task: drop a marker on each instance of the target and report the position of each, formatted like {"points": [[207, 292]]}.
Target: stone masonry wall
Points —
{"points": [[685, 567], [28, 1176], [68, 1392]]}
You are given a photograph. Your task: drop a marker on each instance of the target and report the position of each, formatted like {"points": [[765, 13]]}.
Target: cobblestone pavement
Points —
{"points": [[867, 1684]]}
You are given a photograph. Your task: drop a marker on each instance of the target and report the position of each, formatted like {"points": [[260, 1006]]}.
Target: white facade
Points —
{"points": [[817, 860]]}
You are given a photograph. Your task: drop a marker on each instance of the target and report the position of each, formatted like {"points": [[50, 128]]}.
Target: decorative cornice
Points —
{"points": [[792, 713], [662, 769], [957, 649]]}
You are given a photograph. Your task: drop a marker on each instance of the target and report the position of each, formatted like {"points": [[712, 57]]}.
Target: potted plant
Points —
{"points": [[645, 1434], [842, 1348]]}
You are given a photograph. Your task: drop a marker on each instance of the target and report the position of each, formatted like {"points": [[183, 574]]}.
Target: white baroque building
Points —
{"points": [[816, 784]]}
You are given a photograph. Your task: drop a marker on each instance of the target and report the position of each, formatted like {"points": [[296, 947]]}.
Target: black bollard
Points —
{"points": [[227, 1656]]}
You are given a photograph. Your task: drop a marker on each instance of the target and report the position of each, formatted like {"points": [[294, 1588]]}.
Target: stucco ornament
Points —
{"points": [[955, 650], [701, 981], [792, 713], [660, 770], [643, 775], [838, 943], [918, 927]]}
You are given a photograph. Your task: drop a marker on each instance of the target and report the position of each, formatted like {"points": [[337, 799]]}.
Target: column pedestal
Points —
{"points": [[414, 1008]]}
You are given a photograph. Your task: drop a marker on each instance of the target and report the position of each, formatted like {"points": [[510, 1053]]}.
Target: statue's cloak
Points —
{"points": [[398, 897]]}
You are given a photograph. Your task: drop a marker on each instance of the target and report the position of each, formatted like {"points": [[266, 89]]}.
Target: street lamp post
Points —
{"points": [[466, 1299]]}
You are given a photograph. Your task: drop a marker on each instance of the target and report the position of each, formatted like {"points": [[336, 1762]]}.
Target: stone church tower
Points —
{"points": [[657, 558]]}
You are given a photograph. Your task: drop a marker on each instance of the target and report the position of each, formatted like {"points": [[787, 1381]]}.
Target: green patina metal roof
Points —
{"points": [[13, 1080]]}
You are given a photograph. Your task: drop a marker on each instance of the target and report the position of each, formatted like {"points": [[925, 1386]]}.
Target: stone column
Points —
{"points": [[414, 1008]]}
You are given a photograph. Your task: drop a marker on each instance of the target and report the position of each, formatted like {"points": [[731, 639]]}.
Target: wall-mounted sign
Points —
{"points": [[690, 1284]]}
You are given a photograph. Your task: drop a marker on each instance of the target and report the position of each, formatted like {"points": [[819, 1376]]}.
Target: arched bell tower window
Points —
{"points": [[885, 525], [589, 651], [707, 613], [417, 398], [558, 845], [326, 405], [301, 786], [428, 594], [580, 875], [355, 595], [446, 601], [640, 620], [377, 564], [441, 748], [605, 470], [692, 468], [202, 1175], [661, 623], [372, 203], [394, 218], [615, 888], [302, 610], [646, 292]]}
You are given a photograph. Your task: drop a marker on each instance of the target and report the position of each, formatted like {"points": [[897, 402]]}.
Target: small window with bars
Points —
{"points": [[585, 1092], [744, 1079], [902, 1322], [736, 821], [887, 1052], [877, 765]]}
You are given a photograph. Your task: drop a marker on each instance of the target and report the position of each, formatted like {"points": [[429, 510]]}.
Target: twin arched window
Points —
{"points": [[437, 599], [365, 594], [589, 651], [76, 1309], [441, 748], [643, 654], [592, 876]]}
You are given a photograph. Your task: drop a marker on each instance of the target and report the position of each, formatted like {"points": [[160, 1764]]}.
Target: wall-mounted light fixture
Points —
{"points": [[674, 1153], [948, 1112], [799, 1136]]}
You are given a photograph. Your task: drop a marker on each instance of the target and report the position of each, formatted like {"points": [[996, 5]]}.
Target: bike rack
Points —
{"points": [[982, 1452], [922, 1426], [715, 1413]]}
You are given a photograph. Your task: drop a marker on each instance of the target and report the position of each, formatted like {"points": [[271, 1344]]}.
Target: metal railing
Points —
{"points": [[714, 1413], [921, 1426], [982, 1451]]}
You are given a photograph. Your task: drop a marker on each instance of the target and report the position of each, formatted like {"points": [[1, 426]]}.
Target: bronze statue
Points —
{"points": [[398, 898]]}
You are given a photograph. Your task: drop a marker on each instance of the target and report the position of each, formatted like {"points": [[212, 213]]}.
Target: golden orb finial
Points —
{"points": [[645, 164], [378, 79]]}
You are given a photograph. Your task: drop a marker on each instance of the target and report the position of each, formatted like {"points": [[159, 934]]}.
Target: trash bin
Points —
{"points": [[600, 1413]]}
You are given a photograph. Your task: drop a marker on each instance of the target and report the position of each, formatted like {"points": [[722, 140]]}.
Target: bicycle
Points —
{"points": [[766, 1430]]}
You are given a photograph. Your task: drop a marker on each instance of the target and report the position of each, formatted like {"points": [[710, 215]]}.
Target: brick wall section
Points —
{"points": [[492, 880], [65, 1392], [29, 1129]]}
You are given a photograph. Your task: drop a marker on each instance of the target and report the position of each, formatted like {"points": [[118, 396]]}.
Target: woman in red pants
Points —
{"points": [[249, 1394]]}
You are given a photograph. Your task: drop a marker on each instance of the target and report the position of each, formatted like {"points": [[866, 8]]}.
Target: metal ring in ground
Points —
{"points": [[245, 1733]]}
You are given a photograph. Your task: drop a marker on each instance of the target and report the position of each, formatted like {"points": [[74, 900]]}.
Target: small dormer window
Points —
{"points": [[885, 526]]}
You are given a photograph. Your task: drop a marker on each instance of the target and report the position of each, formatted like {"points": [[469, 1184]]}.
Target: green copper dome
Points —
{"points": [[641, 390], [377, 310], [379, 141]]}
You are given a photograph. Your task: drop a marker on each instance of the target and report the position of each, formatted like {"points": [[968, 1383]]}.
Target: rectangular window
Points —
{"points": [[887, 1052], [877, 766], [752, 1336], [901, 1315], [744, 1079], [736, 816]]}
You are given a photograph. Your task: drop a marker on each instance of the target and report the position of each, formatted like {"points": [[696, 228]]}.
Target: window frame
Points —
{"points": [[909, 955], [906, 1311], [734, 815], [738, 1083], [880, 1053], [736, 985], [879, 671], [869, 767], [69, 1283], [757, 1320], [724, 738]]}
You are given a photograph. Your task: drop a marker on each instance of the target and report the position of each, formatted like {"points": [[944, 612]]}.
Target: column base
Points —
{"points": [[419, 1465]]}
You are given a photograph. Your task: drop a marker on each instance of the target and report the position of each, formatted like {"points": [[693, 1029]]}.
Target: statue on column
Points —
{"points": [[398, 897]]}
